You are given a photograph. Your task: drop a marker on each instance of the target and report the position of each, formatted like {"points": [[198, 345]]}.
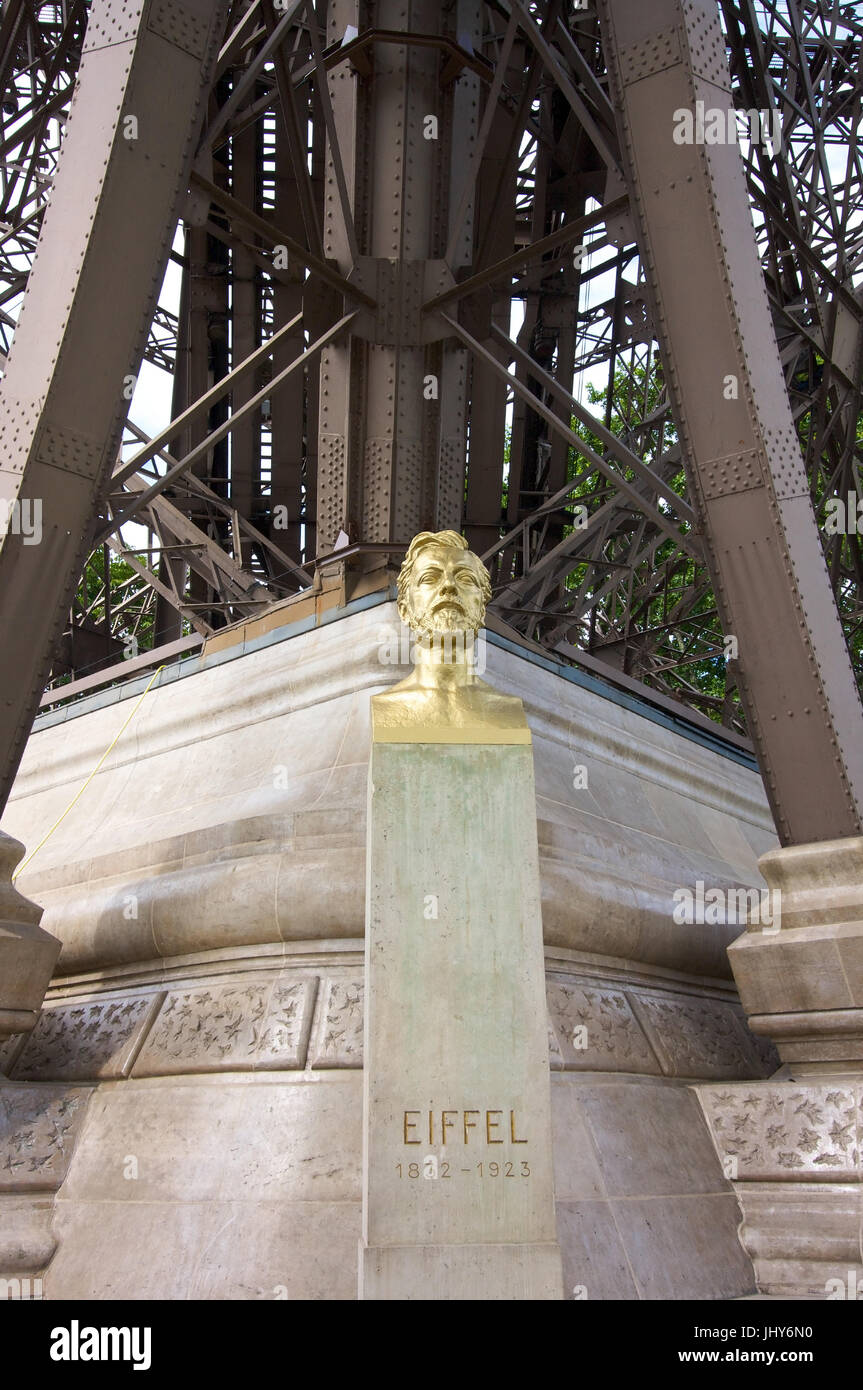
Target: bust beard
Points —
{"points": [[429, 625]]}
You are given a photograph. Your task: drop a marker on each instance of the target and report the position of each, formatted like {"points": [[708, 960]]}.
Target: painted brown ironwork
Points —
{"points": [[448, 191]]}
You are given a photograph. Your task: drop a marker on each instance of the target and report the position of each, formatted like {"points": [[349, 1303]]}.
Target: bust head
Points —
{"points": [[443, 586]]}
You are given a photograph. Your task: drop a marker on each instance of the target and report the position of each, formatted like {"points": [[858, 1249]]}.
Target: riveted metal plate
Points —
{"points": [[655, 54], [786, 462], [409, 477], [111, 22], [400, 288], [734, 473], [412, 286], [386, 328], [706, 43], [70, 451], [636, 323], [332, 465], [185, 26], [17, 424], [449, 503], [377, 487]]}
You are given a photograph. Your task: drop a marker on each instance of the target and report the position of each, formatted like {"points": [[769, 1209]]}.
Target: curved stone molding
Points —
{"points": [[595, 1029], [650, 1033], [27, 953], [27, 1241], [697, 1037], [339, 1037], [296, 1017], [88, 1041], [265, 758], [802, 985]]}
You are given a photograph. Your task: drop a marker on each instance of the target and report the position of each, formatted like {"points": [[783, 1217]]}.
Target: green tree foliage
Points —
{"points": [[137, 617]]}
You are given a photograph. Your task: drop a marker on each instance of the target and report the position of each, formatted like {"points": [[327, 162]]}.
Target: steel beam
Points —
{"points": [[102, 253], [642, 503], [746, 474], [222, 431]]}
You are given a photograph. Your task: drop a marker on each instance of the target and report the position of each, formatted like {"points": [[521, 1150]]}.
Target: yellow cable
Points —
{"points": [[82, 789]]}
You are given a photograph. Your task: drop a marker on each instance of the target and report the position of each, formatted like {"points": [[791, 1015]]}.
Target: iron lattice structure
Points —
{"points": [[543, 389]]}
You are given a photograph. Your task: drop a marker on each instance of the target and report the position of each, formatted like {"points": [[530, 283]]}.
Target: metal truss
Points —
{"points": [[297, 360]]}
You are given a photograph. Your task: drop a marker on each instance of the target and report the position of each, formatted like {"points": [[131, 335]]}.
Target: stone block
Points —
{"points": [[596, 1029], [595, 1265], [685, 1247], [39, 1126], [784, 1130], [248, 1136], [241, 1250], [651, 1141], [82, 1042], [696, 1036], [338, 1038], [458, 1181], [253, 1025]]}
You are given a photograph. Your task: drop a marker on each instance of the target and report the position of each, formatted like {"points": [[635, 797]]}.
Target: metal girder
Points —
{"points": [[103, 248], [388, 460], [196, 488], [552, 61], [215, 436], [511, 208], [641, 502], [732, 410], [624, 455], [200, 407], [564, 236], [276, 236]]}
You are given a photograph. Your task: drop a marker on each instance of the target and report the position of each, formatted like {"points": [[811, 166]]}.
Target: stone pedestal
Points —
{"points": [[27, 953], [233, 1001], [793, 1146], [458, 1199]]}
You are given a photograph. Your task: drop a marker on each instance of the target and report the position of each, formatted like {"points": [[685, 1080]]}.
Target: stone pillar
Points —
{"points": [[793, 1146], [458, 1198], [27, 953]]}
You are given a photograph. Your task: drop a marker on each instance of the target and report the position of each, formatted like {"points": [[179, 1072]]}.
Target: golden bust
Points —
{"points": [[443, 590]]}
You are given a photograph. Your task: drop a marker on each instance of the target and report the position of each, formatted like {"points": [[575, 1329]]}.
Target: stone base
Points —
{"points": [[27, 1241], [229, 1067], [456, 1049], [820, 1043], [804, 1238], [469, 1273], [39, 1125], [27, 953], [248, 1186], [802, 984], [793, 1153]]}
